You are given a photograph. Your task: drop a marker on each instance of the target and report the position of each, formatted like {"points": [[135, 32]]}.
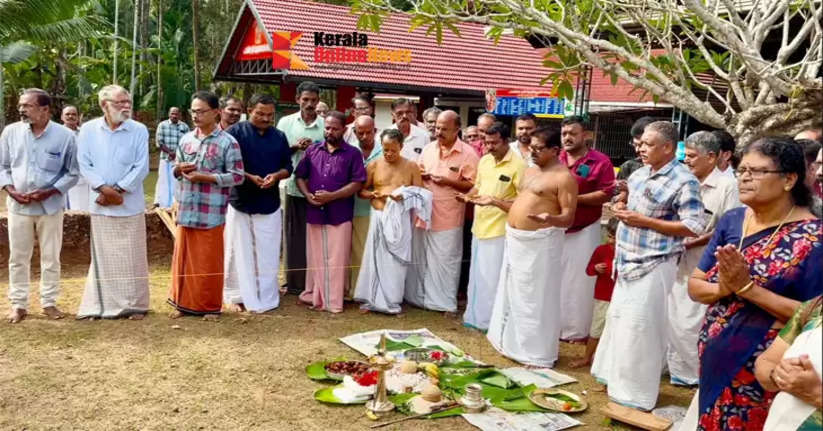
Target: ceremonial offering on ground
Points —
{"points": [[559, 400], [380, 403], [424, 376]]}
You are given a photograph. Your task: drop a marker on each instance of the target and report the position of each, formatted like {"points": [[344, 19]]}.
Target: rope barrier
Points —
{"points": [[64, 281]]}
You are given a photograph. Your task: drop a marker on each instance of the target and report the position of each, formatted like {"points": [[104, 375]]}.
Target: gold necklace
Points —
{"points": [[746, 225]]}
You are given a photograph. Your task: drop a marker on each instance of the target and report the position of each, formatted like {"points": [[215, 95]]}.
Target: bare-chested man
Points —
{"points": [[393, 185], [525, 322]]}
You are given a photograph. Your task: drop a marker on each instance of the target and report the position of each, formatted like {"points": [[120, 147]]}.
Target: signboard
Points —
{"points": [[255, 45], [506, 101], [330, 49]]}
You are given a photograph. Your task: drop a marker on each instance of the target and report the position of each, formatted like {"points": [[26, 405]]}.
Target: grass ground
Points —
{"points": [[242, 372]]}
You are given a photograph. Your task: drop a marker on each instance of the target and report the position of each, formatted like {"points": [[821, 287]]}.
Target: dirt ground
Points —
{"points": [[242, 372]]}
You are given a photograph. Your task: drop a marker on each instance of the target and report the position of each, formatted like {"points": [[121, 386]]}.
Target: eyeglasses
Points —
{"points": [[120, 102], [757, 173], [537, 150]]}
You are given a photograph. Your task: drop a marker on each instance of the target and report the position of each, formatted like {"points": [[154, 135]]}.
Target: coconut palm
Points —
{"points": [[25, 24]]}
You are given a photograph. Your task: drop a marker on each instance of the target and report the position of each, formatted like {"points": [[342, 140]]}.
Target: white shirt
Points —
{"points": [[115, 157], [414, 143], [729, 172], [31, 162], [719, 194]]}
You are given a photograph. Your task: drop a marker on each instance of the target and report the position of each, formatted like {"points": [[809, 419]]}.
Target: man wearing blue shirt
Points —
{"points": [[38, 166], [113, 153], [664, 207], [254, 221]]}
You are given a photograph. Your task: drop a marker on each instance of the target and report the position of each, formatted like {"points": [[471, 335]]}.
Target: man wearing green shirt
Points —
{"points": [[302, 129]]}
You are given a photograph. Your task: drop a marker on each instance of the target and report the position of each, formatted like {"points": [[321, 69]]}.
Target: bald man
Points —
{"points": [[364, 139], [448, 167], [810, 134]]}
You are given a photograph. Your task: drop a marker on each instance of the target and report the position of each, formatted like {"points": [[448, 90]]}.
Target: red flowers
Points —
{"points": [[366, 379], [437, 355]]}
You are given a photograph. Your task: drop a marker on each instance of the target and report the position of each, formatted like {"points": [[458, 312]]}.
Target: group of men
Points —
{"points": [[379, 217]]}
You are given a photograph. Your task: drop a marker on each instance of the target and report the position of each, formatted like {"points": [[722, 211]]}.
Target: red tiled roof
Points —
{"points": [[470, 63], [604, 91]]}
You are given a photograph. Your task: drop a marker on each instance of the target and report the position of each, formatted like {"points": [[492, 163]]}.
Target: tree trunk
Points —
{"points": [[144, 35], [159, 106], [195, 24], [58, 86], [116, 21], [2, 96], [134, 48]]}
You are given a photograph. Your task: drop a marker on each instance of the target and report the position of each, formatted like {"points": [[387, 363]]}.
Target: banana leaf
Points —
{"points": [[326, 395], [498, 380], [317, 370]]}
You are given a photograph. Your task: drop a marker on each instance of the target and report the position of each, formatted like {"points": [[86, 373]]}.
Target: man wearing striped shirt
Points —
{"points": [[664, 207]]}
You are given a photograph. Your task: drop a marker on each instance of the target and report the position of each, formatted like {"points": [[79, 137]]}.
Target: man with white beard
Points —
{"points": [[113, 153]]}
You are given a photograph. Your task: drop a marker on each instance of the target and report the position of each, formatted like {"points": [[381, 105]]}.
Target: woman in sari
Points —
{"points": [[792, 365], [761, 263]]}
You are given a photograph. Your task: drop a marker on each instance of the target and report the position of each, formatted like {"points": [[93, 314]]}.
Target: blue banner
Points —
{"points": [[531, 105]]}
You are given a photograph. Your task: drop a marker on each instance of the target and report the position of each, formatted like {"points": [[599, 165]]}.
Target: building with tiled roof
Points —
{"points": [[288, 41]]}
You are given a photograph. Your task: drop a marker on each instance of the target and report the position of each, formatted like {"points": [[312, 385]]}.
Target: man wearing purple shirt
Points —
{"points": [[329, 175], [594, 174]]}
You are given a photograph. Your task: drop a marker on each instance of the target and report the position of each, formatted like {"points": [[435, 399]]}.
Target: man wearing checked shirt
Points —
{"points": [[663, 208], [209, 164], [168, 136], [38, 166]]}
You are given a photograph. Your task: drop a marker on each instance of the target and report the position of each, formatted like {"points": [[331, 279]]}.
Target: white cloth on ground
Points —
{"points": [[252, 259], [164, 189], [685, 319], [525, 320], [577, 287], [484, 276], [436, 256], [632, 350], [118, 281], [381, 284]]}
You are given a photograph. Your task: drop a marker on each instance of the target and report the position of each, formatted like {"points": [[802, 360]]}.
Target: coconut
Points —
{"points": [[431, 393], [408, 367]]}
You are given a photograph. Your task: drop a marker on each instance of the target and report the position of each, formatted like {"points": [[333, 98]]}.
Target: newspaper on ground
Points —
{"points": [[540, 377], [496, 419], [366, 342]]}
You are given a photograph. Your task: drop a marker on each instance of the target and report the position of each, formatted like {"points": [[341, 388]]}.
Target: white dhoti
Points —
{"points": [[382, 278], [632, 350], [252, 259], [77, 198], [577, 288], [685, 319], [525, 320], [437, 257], [118, 281], [484, 276], [164, 189]]}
